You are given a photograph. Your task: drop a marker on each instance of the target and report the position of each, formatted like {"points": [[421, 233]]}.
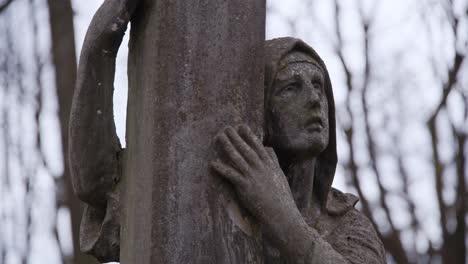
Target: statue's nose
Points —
{"points": [[312, 96]]}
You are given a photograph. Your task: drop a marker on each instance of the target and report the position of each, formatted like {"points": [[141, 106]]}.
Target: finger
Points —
{"points": [[228, 173], [272, 155], [243, 148], [232, 154], [246, 133]]}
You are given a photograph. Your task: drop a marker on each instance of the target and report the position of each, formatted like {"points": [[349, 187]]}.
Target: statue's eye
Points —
{"points": [[317, 84], [289, 89]]}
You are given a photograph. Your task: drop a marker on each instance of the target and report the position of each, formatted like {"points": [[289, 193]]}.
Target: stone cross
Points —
{"points": [[194, 67]]}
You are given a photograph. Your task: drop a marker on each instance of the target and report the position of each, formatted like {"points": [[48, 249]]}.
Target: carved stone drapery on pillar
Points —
{"points": [[194, 67]]}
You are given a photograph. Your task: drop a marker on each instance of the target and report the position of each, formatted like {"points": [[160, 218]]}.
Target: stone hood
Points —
{"points": [[333, 201]]}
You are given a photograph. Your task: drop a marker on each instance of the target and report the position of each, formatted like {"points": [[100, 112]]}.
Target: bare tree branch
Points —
{"points": [[5, 136], [439, 168], [391, 240], [449, 8], [5, 121], [62, 35], [371, 144], [4, 5], [449, 84], [415, 224], [457, 244], [39, 68], [397, 250], [351, 165]]}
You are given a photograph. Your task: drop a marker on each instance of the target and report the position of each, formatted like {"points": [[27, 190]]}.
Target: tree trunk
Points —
{"points": [[64, 59], [194, 67]]}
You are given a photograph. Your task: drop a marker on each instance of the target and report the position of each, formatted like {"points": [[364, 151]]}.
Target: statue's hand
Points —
{"points": [[256, 175]]}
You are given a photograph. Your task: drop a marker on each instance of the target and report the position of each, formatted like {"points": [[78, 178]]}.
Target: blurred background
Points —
{"points": [[400, 77]]}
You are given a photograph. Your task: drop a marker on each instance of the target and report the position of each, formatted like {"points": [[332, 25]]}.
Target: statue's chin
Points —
{"points": [[311, 146]]}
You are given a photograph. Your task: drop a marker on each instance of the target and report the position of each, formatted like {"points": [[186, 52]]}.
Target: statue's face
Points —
{"points": [[298, 110]]}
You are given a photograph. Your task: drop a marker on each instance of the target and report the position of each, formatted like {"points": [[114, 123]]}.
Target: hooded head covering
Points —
{"points": [[275, 51]]}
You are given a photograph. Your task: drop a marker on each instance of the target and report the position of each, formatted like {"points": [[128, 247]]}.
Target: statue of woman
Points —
{"points": [[287, 185], [303, 219]]}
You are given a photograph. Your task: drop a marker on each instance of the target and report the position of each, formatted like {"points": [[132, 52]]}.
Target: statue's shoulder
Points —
{"points": [[340, 207], [339, 203], [352, 234]]}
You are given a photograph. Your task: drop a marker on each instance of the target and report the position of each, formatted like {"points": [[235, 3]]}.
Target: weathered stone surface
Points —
{"points": [[194, 67], [95, 151]]}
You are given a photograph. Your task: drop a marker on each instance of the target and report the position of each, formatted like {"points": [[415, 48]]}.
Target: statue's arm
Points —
{"points": [[263, 189], [94, 146], [354, 242], [355, 239]]}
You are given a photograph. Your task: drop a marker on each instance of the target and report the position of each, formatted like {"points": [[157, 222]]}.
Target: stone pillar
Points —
{"points": [[194, 67]]}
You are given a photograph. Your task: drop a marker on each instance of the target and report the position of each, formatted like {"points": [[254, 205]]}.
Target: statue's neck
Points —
{"points": [[300, 173]]}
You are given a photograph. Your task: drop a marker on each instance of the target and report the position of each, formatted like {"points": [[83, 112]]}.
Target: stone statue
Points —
{"points": [[287, 185], [303, 219]]}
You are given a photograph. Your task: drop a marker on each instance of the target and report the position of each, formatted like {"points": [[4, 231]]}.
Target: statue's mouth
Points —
{"points": [[314, 124]]}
